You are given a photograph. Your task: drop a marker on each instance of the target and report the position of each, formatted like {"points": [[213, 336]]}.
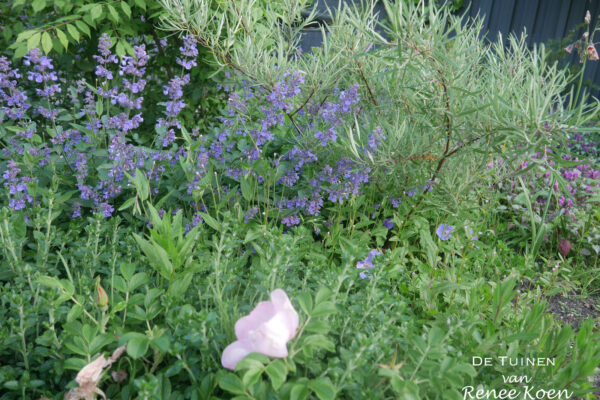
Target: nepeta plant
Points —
{"points": [[422, 100]]}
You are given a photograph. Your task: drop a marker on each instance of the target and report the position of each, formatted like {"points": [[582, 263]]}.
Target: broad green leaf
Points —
{"points": [[128, 203], [34, 41], [231, 383], [74, 32], [277, 372], [120, 50], [305, 301], [63, 38], [7, 33], [322, 309], [46, 42], [323, 294], [246, 188], [83, 27], [137, 346], [251, 377], [323, 388], [157, 256], [25, 35], [299, 392], [137, 280], [114, 14], [126, 9], [141, 4], [252, 361], [210, 221], [38, 5], [178, 286], [96, 11], [48, 281], [144, 186]]}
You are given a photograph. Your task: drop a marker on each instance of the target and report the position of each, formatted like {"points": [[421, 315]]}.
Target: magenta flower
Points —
{"points": [[266, 330]]}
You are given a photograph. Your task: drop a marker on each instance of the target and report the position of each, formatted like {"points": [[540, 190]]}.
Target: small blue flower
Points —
{"points": [[367, 264], [388, 223], [444, 231]]}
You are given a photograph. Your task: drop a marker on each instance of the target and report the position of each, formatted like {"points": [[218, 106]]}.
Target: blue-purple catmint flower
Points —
{"points": [[290, 220], [367, 263], [189, 51], [444, 231]]}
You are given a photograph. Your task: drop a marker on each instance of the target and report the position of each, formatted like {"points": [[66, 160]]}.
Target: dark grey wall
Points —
{"points": [[542, 20]]}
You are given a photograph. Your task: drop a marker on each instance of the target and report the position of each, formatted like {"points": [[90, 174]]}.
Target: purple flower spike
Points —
{"points": [[444, 231]]}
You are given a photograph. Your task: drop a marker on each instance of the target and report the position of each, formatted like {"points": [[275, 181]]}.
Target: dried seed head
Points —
{"points": [[592, 53]]}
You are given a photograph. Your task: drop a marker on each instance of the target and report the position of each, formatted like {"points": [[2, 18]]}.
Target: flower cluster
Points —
{"points": [[99, 153]]}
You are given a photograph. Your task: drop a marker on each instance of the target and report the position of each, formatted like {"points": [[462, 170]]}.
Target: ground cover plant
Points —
{"points": [[360, 221]]}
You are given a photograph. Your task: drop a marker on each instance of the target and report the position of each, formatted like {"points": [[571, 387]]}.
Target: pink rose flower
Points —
{"points": [[266, 330]]}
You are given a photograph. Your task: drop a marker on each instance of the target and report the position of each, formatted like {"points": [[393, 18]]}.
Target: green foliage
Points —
{"points": [[430, 304]]}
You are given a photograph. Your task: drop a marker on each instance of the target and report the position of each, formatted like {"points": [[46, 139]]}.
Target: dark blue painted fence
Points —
{"points": [[542, 20]]}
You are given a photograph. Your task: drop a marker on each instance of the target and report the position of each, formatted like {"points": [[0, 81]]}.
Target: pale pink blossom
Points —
{"points": [[266, 330]]}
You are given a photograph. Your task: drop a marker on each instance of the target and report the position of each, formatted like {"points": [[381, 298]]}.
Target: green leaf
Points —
{"points": [[323, 388], [318, 341], [251, 377], [74, 32], [48, 281], [120, 49], [137, 280], [128, 203], [305, 301], [126, 9], [277, 372], [46, 42], [158, 257], [25, 35], [74, 313], [96, 11], [318, 326], [82, 27], [7, 33], [210, 221], [114, 14], [142, 183], [299, 392], [141, 4], [137, 346], [323, 294], [246, 188], [63, 38], [38, 5], [21, 51], [252, 361], [231, 383], [323, 309], [34, 41], [178, 286]]}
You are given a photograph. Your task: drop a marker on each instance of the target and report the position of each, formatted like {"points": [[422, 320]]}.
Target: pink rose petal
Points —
{"points": [[266, 330]]}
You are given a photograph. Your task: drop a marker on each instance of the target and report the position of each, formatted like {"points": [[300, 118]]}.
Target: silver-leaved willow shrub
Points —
{"points": [[444, 99]]}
